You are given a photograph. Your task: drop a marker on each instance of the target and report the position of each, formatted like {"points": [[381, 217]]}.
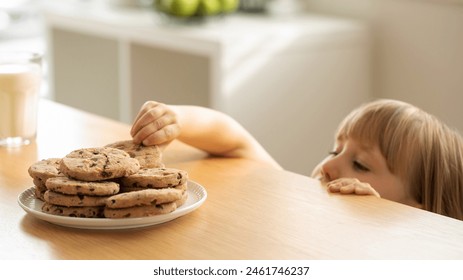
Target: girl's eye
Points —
{"points": [[360, 167], [333, 153]]}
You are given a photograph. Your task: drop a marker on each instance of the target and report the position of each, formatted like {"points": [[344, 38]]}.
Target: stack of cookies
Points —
{"points": [[163, 188], [41, 171], [119, 180], [76, 198], [85, 182]]}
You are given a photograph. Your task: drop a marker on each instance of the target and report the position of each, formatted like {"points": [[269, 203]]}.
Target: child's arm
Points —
{"points": [[203, 128]]}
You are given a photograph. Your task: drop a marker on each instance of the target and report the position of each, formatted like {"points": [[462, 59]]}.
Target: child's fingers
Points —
{"points": [[365, 189], [145, 108], [149, 113], [347, 189], [162, 121], [341, 186], [351, 186], [166, 134], [160, 126]]}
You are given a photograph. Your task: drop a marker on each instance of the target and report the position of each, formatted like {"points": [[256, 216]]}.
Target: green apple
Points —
{"points": [[229, 6], [184, 8], [210, 7], [163, 5]]}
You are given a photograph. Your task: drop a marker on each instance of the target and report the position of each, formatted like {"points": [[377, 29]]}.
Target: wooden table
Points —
{"points": [[252, 211]]}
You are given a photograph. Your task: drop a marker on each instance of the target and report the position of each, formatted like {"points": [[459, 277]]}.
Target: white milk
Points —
{"points": [[19, 93]]}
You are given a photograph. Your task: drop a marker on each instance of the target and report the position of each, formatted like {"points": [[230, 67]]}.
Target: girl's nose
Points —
{"points": [[329, 170]]}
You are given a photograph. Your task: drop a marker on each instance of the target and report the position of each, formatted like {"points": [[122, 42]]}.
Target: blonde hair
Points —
{"points": [[422, 151]]}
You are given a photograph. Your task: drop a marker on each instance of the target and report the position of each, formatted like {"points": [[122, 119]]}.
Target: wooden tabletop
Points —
{"points": [[251, 212]]}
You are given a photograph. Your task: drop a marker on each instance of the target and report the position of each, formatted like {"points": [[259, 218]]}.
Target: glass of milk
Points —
{"points": [[20, 79]]}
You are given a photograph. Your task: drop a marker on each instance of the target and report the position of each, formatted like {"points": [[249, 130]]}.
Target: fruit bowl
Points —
{"points": [[195, 9]]}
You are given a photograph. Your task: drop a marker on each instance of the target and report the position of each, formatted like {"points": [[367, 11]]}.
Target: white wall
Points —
{"points": [[417, 50]]}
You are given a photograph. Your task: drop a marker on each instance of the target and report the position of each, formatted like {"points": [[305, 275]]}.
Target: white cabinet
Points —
{"points": [[288, 80]]}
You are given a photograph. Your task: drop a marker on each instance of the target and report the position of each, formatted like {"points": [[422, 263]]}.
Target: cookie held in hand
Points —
{"points": [[147, 156]]}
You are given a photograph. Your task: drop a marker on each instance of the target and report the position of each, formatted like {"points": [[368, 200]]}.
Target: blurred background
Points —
{"points": [[289, 71]]}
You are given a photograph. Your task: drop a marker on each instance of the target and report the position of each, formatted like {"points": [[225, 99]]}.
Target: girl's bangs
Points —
{"points": [[365, 126]]}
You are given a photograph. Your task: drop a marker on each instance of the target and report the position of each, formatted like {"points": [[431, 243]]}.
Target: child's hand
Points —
{"points": [[155, 124], [351, 186]]}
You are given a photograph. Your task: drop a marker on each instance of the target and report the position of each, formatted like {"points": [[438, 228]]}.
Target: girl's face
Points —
{"points": [[353, 159]]}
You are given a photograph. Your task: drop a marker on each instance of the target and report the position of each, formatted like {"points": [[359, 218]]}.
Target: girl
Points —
{"points": [[385, 148]]}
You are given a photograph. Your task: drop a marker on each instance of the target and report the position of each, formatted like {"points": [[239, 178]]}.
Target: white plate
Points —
{"points": [[196, 197]]}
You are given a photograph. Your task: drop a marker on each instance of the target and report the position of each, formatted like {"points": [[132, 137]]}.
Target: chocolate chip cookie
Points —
{"points": [[147, 156], [140, 211], [41, 171], [70, 186], [80, 212], [144, 197], [156, 178], [97, 164], [74, 200]]}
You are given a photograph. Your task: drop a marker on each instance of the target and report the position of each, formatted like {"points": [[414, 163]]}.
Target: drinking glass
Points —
{"points": [[20, 81]]}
